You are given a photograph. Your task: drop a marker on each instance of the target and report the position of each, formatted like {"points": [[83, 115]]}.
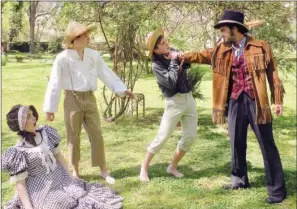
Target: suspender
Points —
{"points": [[71, 77]]}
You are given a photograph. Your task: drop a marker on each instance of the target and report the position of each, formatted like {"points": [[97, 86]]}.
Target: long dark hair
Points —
{"points": [[12, 122]]}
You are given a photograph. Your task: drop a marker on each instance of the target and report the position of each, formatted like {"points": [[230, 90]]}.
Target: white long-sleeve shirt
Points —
{"points": [[69, 72]]}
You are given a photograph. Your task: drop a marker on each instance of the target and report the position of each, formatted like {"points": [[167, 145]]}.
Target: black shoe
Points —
{"points": [[230, 187], [273, 200]]}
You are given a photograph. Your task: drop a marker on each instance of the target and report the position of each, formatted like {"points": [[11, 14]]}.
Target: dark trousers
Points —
{"points": [[241, 113]]}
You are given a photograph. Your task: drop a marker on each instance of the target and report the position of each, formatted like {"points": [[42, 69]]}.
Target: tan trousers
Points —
{"points": [[82, 110]]}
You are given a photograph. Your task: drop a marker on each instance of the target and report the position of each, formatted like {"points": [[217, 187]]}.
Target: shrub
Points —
{"points": [[3, 60], [55, 45], [19, 59], [195, 78]]}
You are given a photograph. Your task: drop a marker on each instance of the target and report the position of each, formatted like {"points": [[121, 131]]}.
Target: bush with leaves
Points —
{"points": [[195, 79], [55, 45]]}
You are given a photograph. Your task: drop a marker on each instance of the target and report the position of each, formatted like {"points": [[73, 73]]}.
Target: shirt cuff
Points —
{"points": [[121, 94], [18, 177], [50, 108]]}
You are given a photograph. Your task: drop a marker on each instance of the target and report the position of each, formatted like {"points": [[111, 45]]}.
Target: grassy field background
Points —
{"points": [[206, 166]]}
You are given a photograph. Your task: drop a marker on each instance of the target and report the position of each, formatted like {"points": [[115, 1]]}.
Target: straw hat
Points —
{"points": [[75, 29], [254, 23], [152, 39]]}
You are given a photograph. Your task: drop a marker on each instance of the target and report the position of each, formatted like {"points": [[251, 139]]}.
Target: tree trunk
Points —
{"points": [[32, 18], [100, 8]]}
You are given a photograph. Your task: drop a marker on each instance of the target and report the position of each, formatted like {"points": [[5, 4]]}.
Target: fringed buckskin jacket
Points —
{"points": [[260, 65]]}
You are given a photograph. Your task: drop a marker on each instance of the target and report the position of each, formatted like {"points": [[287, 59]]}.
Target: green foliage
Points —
{"points": [[19, 59], [3, 60], [55, 45], [195, 78], [278, 30], [16, 20], [195, 75], [12, 19]]}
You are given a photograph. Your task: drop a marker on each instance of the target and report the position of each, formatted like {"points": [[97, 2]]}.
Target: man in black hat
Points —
{"points": [[241, 66]]}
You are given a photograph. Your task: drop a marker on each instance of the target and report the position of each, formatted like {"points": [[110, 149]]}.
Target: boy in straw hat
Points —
{"points": [[76, 70], [179, 103], [241, 65]]}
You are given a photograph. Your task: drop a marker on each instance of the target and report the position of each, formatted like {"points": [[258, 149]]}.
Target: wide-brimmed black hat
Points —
{"points": [[232, 17]]}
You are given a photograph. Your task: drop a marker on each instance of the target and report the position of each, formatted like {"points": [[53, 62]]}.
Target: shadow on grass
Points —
{"points": [[290, 179], [286, 123], [153, 116], [159, 170], [207, 131]]}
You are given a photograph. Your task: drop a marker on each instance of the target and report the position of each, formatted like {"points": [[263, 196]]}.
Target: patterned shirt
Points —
{"points": [[241, 79]]}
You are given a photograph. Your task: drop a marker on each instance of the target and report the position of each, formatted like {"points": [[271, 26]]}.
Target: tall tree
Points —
{"points": [[32, 18], [36, 10], [12, 16], [16, 20]]}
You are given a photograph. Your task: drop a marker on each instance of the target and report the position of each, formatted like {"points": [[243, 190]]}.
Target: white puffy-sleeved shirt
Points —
{"points": [[69, 72]]}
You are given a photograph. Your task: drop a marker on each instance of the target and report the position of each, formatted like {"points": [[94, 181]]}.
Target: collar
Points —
{"points": [[252, 41], [249, 41], [74, 54], [21, 142], [225, 47], [241, 44]]}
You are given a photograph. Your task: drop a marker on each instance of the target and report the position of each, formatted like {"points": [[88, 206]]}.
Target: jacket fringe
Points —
{"points": [[214, 57], [218, 64], [218, 116], [220, 67], [258, 63], [264, 116], [268, 54], [278, 95]]}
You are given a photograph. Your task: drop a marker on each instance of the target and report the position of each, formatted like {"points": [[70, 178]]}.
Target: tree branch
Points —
{"points": [[42, 14]]}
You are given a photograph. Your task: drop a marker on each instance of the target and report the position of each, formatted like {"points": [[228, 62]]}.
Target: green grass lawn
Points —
{"points": [[206, 166]]}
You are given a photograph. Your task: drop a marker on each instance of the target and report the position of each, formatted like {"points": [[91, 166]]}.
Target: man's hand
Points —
{"points": [[181, 56], [130, 94], [278, 109], [172, 55], [50, 116]]}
